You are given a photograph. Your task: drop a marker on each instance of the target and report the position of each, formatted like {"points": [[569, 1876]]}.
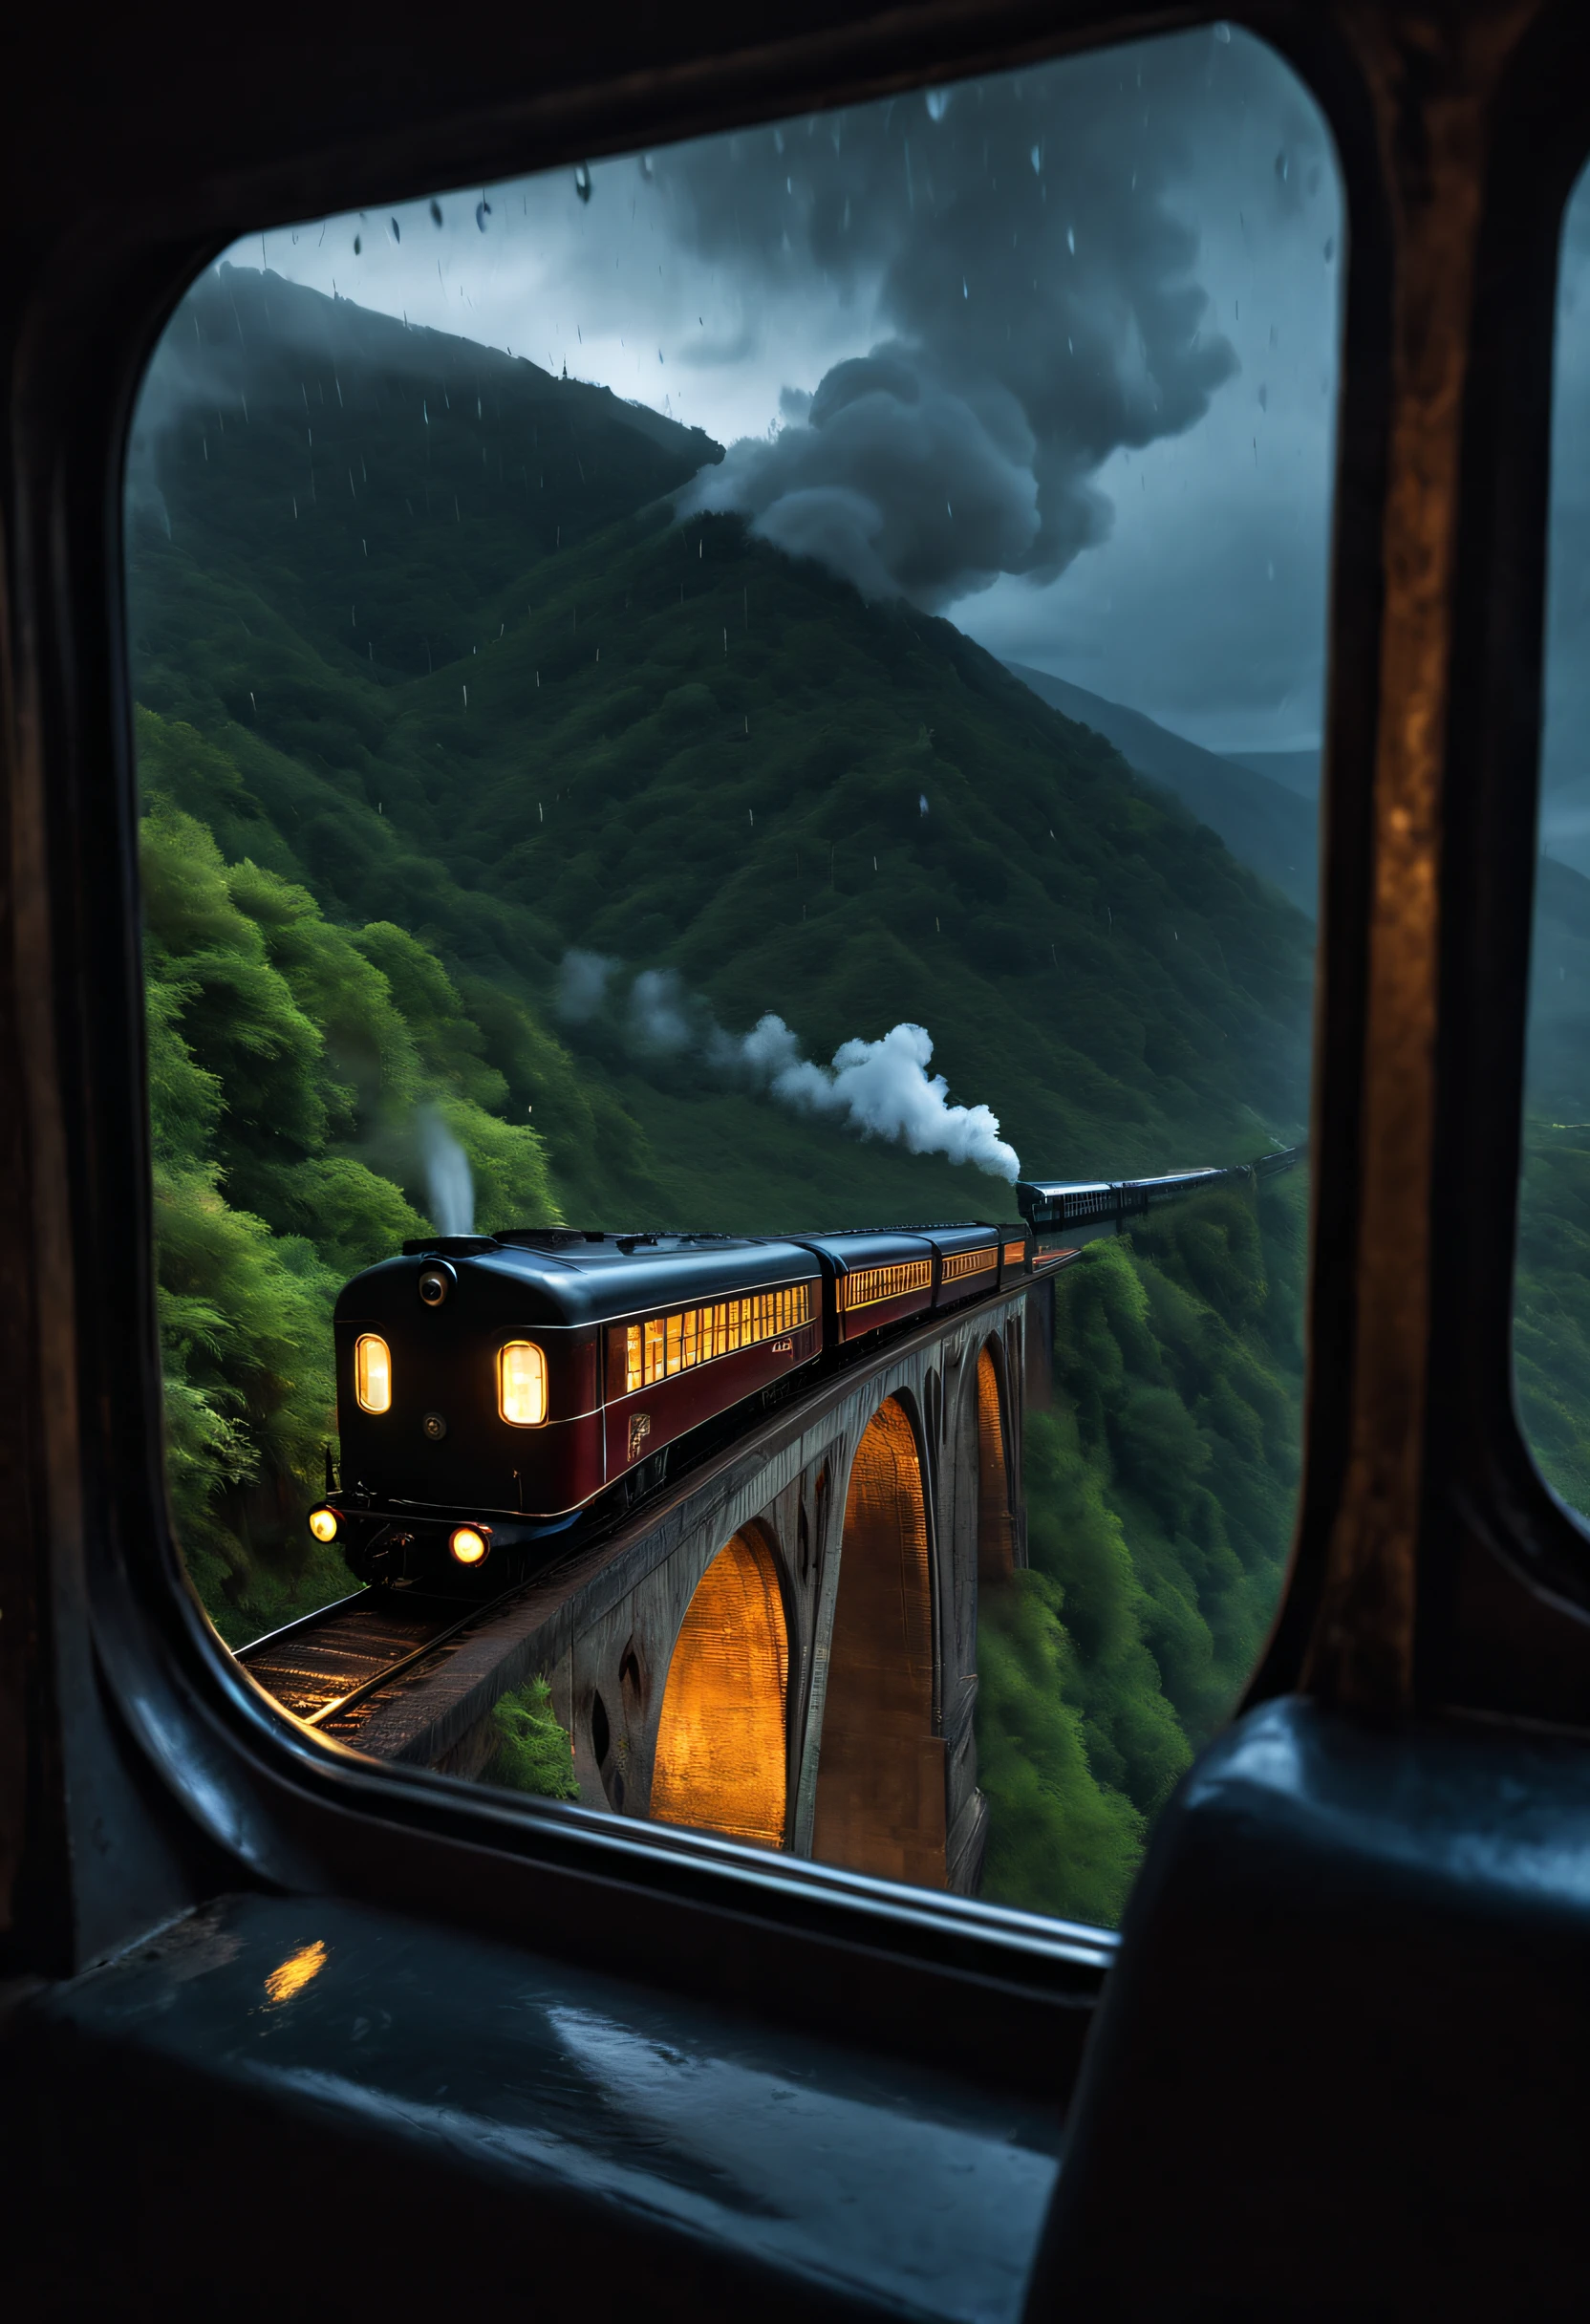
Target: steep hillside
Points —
{"points": [[688, 754], [1559, 992], [379, 485], [1262, 821], [1299, 770]]}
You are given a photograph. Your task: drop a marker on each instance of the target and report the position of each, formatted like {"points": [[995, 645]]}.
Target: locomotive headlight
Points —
{"points": [[469, 1543], [323, 1524], [522, 1384], [373, 1372]]}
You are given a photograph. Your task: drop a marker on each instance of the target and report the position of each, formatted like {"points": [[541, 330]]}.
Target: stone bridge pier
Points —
{"points": [[785, 1652]]}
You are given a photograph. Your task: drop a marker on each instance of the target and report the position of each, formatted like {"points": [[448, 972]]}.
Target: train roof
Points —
{"points": [[567, 1277], [1180, 1177], [847, 1248], [961, 1235]]}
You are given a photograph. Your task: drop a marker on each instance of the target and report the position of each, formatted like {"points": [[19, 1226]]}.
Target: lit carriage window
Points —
{"points": [[868, 1285], [961, 1263], [522, 1384], [373, 1372], [665, 1345]]}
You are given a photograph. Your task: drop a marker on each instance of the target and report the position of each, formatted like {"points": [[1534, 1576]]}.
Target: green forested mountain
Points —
{"points": [[1160, 1492], [673, 747], [1263, 822], [410, 730], [295, 1067], [380, 485]]}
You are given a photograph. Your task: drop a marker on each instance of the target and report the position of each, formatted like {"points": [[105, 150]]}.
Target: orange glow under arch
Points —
{"points": [[721, 1751], [880, 1780], [996, 1543]]}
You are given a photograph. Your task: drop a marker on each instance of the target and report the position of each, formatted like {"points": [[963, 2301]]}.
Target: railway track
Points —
{"points": [[329, 1667], [332, 1668]]}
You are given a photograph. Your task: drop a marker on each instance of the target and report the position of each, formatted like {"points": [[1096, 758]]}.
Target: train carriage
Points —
{"points": [[872, 1276], [673, 1369], [968, 1255], [1014, 1252], [490, 1388]]}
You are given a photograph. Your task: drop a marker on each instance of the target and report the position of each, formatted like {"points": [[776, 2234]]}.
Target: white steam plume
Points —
{"points": [[659, 1012], [879, 1089], [583, 984], [449, 1181], [883, 1089]]}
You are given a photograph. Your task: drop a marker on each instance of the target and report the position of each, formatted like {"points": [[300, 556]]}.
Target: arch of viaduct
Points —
{"points": [[783, 1648]]}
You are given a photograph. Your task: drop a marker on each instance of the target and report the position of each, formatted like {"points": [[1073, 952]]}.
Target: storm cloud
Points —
{"points": [[1020, 239], [1054, 351]]}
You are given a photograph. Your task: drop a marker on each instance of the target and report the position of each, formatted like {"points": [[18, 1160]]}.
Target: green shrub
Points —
{"points": [[288, 1062], [533, 1751]]}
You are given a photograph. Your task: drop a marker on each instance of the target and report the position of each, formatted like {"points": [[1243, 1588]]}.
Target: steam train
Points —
{"points": [[495, 1390]]}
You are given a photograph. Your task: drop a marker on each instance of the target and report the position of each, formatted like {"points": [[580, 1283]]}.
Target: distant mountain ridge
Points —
{"points": [[1274, 829], [1264, 823], [1296, 770]]}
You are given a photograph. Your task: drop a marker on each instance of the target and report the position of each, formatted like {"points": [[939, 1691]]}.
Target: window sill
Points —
{"points": [[282, 2087]]}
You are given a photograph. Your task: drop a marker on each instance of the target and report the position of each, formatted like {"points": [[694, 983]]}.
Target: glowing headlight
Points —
{"points": [[469, 1543], [372, 1374], [522, 1384], [323, 1524]]}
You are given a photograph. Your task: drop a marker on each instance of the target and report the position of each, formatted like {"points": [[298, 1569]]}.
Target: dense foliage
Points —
{"points": [[532, 1752], [675, 746], [1160, 1492], [292, 1066]]}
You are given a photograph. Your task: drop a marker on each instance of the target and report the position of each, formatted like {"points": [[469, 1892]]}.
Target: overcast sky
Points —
{"points": [[1053, 353]]}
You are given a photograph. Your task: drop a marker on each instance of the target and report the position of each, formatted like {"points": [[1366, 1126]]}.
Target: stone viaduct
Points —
{"points": [[782, 1648]]}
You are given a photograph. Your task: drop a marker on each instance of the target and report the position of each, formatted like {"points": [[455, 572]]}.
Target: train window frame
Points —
{"points": [[238, 1795], [1027, 1954], [1498, 1574], [538, 1418]]}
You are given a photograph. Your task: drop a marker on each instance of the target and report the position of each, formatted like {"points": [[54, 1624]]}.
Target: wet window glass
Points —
{"points": [[729, 750], [1552, 1289]]}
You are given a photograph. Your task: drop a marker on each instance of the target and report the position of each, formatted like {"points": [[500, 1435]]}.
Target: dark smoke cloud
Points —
{"points": [[899, 481], [1020, 240], [1006, 318]]}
